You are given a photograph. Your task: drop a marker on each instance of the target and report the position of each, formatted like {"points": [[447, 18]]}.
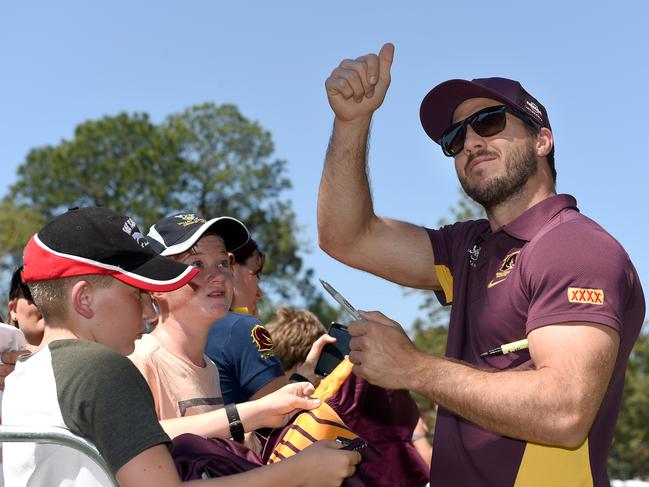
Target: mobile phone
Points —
{"points": [[333, 353]]}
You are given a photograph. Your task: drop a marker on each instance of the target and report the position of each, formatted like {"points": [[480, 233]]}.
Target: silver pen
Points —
{"points": [[342, 301]]}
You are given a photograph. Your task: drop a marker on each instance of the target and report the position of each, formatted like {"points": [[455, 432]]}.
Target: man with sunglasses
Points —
{"points": [[535, 269]]}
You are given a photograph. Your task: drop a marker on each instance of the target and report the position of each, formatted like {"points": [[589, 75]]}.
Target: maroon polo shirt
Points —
{"points": [[550, 265]]}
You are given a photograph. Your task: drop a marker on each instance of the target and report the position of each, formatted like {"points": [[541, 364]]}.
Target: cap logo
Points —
{"points": [[534, 108], [585, 295], [189, 219], [262, 340], [131, 229]]}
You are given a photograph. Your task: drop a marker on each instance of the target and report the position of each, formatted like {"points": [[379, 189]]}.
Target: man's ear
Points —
{"points": [[544, 142], [82, 299]]}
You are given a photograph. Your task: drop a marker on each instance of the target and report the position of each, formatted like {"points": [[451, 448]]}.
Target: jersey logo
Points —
{"points": [[585, 295], [505, 268], [262, 340], [474, 253]]}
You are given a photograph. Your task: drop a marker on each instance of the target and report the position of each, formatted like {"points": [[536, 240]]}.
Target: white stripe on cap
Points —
{"points": [[198, 233], [101, 265]]}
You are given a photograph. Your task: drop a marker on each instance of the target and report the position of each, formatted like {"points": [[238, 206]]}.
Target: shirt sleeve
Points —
{"points": [[577, 273], [452, 249], [108, 403]]}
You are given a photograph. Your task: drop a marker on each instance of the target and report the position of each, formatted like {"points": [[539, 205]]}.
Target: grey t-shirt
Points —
{"points": [[94, 392]]}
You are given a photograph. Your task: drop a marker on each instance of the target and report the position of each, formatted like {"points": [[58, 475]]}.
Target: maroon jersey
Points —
{"points": [[550, 265]]}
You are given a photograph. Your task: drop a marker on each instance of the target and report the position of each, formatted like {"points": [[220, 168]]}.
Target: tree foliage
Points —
{"points": [[207, 159], [17, 224], [123, 162], [229, 170], [629, 457]]}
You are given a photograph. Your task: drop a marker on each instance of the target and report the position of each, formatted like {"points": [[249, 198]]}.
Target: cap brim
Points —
{"points": [[232, 231], [437, 107], [157, 273]]}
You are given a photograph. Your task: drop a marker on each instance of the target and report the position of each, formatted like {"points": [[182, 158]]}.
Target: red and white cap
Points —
{"points": [[100, 241]]}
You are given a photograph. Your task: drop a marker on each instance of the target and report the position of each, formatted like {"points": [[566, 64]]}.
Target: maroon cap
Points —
{"points": [[437, 108]]}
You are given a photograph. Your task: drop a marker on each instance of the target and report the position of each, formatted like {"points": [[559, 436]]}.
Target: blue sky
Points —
{"points": [[65, 62]]}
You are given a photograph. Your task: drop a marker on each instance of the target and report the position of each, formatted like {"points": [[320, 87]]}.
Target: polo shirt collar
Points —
{"points": [[528, 223]]}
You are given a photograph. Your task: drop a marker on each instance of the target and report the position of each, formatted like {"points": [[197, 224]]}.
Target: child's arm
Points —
{"points": [[320, 465], [270, 411]]}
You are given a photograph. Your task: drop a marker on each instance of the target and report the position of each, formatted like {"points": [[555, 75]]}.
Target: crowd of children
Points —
{"points": [[89, 283]]}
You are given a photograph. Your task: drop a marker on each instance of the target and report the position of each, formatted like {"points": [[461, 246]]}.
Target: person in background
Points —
{"points": [[241, 346], [185, 382], [294, 331], [248, 265], [23, 313]]}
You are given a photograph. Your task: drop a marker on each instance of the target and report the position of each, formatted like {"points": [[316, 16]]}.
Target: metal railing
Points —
{"points": [[57, 436]]}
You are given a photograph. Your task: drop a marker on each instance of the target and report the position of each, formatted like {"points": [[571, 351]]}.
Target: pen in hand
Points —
{"points": [[506, 348], [342, 301]]}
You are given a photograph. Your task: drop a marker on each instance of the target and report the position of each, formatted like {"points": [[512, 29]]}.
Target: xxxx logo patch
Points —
{"points": [[585, 295], [262, 340]]}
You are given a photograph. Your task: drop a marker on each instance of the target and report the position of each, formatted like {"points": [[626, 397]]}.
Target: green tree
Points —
{"points": [[123, 162], [629, 456], [17, 224], [209, 159], [229, 170]]}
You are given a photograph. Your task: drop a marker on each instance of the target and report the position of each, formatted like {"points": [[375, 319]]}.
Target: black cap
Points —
{"points": [[100, 241], [180, 232]]}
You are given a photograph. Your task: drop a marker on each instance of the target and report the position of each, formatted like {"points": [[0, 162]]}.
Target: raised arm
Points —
{"points": [[348, 229]]}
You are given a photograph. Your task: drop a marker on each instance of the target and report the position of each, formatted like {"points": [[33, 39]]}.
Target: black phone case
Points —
{"points": [[333, 353]]}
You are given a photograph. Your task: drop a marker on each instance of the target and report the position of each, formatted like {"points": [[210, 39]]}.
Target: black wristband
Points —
{"points": [[295, 377], [236, 427]]}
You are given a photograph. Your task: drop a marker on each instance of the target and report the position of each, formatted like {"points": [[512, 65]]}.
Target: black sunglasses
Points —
{"points": [[486, 122]]}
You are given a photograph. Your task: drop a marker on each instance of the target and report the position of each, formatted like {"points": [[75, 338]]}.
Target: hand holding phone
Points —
{"points": [[333, 353]]}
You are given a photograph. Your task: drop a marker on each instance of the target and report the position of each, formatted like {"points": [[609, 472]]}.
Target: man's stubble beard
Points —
{"points": [[520, 165]]}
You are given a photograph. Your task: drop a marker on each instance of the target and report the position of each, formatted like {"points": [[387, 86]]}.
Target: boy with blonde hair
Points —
{"points": [[293, 332]]}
